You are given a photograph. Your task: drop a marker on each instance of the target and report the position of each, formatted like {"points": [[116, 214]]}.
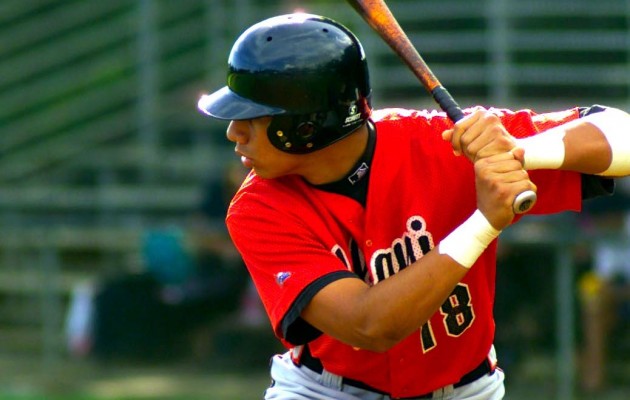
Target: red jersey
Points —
{"points": [[295, 238]]}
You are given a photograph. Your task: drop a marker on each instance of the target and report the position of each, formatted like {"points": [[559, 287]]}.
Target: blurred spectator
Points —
{"points": [[211, 240], [166, 256], [605, 288], [190, 280], [146, 314], [79, 320], [213, 244]]}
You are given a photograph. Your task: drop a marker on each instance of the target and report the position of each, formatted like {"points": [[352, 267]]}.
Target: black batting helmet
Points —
{"points": [[306, 71]]}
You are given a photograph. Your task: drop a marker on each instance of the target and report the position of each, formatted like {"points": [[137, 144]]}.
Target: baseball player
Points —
{"points": [[371, 235]]}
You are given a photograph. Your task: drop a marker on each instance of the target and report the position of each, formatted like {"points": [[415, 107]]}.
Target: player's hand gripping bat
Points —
{"points": [[377, 14]]}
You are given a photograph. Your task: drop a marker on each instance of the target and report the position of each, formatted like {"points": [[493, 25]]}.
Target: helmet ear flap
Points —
{"points": [[305, 133]]}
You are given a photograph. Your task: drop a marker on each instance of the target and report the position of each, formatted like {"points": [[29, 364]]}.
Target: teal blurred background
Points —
{"points": [[107, 170]]}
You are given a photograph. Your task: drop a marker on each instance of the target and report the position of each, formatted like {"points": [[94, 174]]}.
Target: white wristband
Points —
{"points": [[466, 243], [615, 125], [544, 150]]}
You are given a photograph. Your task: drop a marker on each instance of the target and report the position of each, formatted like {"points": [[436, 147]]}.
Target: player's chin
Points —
{"points": [[270, 169], [265, 173]]}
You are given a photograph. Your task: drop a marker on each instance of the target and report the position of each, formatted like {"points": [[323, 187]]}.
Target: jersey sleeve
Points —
{"points": [[287, 255]]}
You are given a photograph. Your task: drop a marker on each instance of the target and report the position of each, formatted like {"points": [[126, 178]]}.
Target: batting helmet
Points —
{"points": [[306, 71]]}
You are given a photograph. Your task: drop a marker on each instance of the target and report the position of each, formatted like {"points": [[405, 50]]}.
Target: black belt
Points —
{"points": [[314, 364]]}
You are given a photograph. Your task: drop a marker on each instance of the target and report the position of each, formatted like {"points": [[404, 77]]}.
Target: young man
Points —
{"points": [[370, 236]]}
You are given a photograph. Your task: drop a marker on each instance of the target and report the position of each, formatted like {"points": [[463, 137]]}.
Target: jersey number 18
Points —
{"points": [[458, 315]]}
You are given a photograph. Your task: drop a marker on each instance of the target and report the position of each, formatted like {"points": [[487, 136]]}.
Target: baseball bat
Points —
{"points": [[378, 15]]}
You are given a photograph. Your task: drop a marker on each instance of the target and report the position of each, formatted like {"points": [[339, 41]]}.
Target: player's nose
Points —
{"points": [[237, 132]]}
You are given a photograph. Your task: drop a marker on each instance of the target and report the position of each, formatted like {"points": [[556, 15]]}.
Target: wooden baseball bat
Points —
{"points": [[378, 15]]}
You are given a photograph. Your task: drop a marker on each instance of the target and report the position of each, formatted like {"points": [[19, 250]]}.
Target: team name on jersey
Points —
{"points": [[410, 247]]}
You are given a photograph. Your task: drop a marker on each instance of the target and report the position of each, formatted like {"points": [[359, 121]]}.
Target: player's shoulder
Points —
{"points": [[521, 114], [283, 185], [257, 194], [402, 114], [402, 121], [525, 122], [267, 205]]}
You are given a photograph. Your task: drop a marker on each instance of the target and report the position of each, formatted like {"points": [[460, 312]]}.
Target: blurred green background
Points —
{"points": [[112, 184]]}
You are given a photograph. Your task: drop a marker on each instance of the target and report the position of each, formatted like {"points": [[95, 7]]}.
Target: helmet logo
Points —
{"points": [[353, 115]]}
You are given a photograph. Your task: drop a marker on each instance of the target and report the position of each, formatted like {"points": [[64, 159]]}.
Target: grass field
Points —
{"points": [[22, 379], [90, 381]]}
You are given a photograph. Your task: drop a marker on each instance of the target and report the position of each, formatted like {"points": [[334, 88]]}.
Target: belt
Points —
{"points": [[314, 364]]}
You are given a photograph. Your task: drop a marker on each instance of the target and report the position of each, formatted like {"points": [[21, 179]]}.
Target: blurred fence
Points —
{"points": [[100, 137]]}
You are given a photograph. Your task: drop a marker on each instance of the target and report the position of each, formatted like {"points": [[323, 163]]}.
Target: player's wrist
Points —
{"points": [[543, 151], [469, 240]]}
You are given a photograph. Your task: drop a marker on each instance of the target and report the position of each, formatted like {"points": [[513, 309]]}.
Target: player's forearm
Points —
{"points": [[597, 144], [400, 305], [378, 317], [429, 281]]}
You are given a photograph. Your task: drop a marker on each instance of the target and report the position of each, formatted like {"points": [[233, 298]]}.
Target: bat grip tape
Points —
{"points": [[447, 103]]}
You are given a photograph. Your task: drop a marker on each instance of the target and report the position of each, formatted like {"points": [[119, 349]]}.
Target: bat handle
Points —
{"points": [[524, 201], [447, 103]]}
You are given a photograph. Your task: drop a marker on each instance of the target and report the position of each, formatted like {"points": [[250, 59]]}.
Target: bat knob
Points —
{"points": [[524, 202]]}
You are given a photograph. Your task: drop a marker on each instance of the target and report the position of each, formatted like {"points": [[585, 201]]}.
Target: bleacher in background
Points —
{"points": [[100, 139], [96, 145]]}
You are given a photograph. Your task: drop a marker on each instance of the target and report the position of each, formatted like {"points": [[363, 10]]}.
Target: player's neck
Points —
{"points": [[335, 161]]}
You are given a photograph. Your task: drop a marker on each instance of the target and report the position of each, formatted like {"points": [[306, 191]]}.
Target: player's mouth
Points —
{"points": [[245, 160]]}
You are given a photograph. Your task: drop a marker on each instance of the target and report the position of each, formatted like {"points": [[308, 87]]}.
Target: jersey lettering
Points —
{"points": [[341, 255], [458, 316], [357, 265], [413, 245], [358, 261]]}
